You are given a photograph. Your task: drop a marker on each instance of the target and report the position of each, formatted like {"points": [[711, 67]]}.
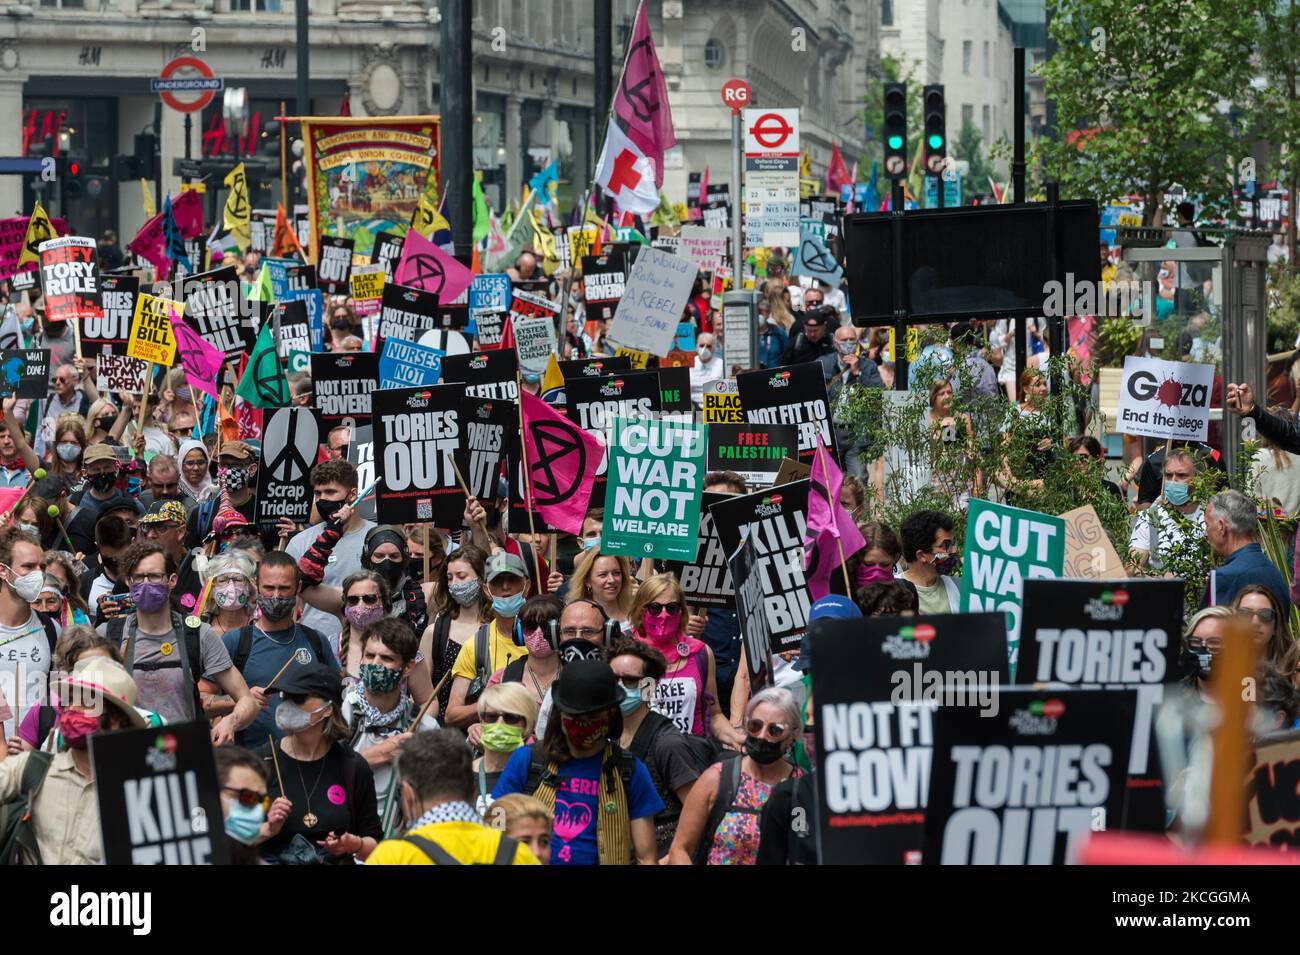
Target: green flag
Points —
{"points": [[261, 292], [480, 211], [264, 384]]}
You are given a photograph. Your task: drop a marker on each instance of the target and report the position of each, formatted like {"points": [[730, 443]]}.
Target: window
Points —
{"points": [[714, 55], [967, 114], [986, 123], [65, 4], [887, 13], [965, 57], [986, 57], [257, 6]]}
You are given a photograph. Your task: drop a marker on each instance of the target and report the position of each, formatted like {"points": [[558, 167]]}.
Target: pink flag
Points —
{"points": [[830, 526], [837, 172], [562, 464], [150, 243], [425, 266], [202, 362], [9, 496], [641, 103]]}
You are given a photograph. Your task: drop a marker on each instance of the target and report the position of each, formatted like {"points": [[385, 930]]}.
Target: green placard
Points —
{"points": [[652, 498], [1004, 546]]}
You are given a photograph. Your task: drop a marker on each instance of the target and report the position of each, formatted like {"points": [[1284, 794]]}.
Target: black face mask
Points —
{"points": [[390, 570], [578, 649], [763, 751], [327, 509], [103, 483], [340, 324], [105, 422]]}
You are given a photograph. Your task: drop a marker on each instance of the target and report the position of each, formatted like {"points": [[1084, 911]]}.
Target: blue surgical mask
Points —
{"points": [[1176, 493], [631, 700], [508, 606], [589, 542], [28, 324], [244, 823], [531, 378]]}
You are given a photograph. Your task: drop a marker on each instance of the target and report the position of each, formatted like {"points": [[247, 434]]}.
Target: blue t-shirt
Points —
{"points": [[265, 657], [577, 798]]}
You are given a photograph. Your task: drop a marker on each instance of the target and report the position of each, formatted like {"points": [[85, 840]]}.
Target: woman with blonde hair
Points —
{"points": [[1277, 472], [69, 446], [508, 714], [605, 580], [105, 422], [233, 594], [688, 693], [525, 820]]}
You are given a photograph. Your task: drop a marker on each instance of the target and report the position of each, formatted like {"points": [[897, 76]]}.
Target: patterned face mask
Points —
{"points": [[378, 678]]}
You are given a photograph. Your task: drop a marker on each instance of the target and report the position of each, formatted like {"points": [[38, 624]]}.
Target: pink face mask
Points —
{"points": [[873, 574], [663, 627], [537, 643]]}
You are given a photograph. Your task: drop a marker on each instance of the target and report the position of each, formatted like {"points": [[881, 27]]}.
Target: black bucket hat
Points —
{"points": [[586, 686]]}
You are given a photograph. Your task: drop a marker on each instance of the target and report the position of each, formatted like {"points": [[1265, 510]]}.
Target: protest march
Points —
{"points": [[795, 519]]}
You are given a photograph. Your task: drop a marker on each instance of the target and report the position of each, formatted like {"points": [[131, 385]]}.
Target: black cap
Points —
{"points": [[121, 502], [309, 679], [586, 686]]}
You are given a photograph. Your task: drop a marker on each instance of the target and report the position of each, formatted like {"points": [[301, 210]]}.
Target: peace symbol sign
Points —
{"points": [[555, 442]]}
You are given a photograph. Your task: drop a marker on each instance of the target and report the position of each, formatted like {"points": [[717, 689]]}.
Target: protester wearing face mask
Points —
{"points": [[605, 580], [708, 367], [461, 604], [380, 711], [1203, 639], [880, 556], [333, 816], [67, 570], [783, 837], [539, 625], [260, 649], [844, 367], [494, 646], [105, 423], [340, 327], [97, 697], [579, 771], [507, 713], [233, 595], [930, 551], [68, 401], [249, 815], [167, 654], [68, 447], [27, 639], [108, 595], [195, 483], [164, 523], [1173, 520], [720, 821], [236, 490], [688, 692]]}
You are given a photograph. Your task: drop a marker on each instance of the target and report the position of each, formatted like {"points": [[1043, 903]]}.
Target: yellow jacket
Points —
{"points": [[467, 842]]}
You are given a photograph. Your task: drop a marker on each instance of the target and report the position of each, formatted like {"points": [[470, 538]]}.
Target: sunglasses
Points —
{"points": [[1197, 645], [656, 609], [756, 727], [631, 682], [511, 719], [368, 599], [1266, 614], [248, 798]]}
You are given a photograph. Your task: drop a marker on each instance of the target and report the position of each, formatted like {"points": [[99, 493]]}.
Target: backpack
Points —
{"points": [[207, 510], [539, 771], [707, 750], [482, 664], [16, 835], [245, 646], [506, 850], [441, 637], [193, 651], [728, 786]]}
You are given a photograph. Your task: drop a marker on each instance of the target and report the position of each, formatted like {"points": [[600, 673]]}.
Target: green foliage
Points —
{"points": [[1116, 337], [967, 146], [1283, 309]]}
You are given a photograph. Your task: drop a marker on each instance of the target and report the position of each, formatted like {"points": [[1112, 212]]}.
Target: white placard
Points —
{"points": [[654, 298], [1165, 399]]}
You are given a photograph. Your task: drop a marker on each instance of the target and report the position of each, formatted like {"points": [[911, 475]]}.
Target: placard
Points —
{"points": [[417, 431], [593, 367], [334, 264], [387, 253], [1273, 788], [706, 578], [405, 364], [796, 395], [406, 313], [754, 451], [361, 455], [70, 279], [603, 280], [656, 471], [151, 330], [213, 308], [294, 334], [108, 331], [722, 402], [706, 247], [1088, 550], [485, 425], [290, 441], [751, 617], [534, 342], [1165, 399], [658, 288], [367, 282], [594, 403], [25, 372], [489, 374], [120, 374], [489, 302], [342, 383]]}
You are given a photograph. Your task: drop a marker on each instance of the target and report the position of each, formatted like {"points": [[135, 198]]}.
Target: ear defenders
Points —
{"points": [[609, 630]]}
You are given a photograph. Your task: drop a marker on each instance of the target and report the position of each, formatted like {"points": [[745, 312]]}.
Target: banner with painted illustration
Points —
{"points": [[70, 279], [754, 451], [361, 455], [1121, 633], [706, 578], [366, 175], [1273, 792], [1030, 784], [776, 521], [159, 796], [485, 425], [489, 303], [107, 332], [215, 307], [293, 330], [291, 439], [877, 684], [342, 383], [25, 372], [652, 497], [1005, 546], [795, 395], [406, 313], [1165, 399], [603, 279], [417, 431], [487, 374], [594, 404], [334, 264], [751, 615]]}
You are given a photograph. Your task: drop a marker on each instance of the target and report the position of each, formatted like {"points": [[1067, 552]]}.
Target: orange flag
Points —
{"points": [[476, 263], [229, 426], [285, 242]]}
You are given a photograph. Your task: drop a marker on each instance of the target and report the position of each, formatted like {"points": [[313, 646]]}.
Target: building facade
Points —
{"points": [[977, 68], [909, 35]]}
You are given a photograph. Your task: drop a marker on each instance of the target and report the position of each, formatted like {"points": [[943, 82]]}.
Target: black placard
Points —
{"points": [[334, 264], [754, 451], [485, 428], [406, 313], [707, 581], [109, 331], [751, 615], [487, 374], [342, 383], [387, 252], [215, 308], [361, 455], [603, 281], [25, 372], [417, 433], [594, 367], [594, 403], [675, 392], [291, 440], [794, 394], [294, 333]]}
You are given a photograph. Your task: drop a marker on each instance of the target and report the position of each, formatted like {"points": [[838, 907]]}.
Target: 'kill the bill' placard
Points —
{"points": [[417, 433], [706, 578]]}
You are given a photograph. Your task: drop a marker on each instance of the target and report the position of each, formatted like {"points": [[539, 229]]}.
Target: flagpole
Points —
{"points": [[528, 482], [826, 486]]}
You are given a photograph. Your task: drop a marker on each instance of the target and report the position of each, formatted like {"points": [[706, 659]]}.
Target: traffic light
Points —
{"points": [[71, 175], [936, 138], [146, 156], [269, 140], [895, 129]]}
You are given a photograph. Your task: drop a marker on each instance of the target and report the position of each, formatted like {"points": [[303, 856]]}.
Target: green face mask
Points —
{"points": [[502, 737], [800, 754]]}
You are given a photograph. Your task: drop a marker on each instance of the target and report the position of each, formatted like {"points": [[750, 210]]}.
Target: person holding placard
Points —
{"points": [[1173, 520], [461, 604]]}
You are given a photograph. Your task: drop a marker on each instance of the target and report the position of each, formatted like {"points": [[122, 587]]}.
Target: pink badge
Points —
{"points": [[336, 795], [187, 601]]}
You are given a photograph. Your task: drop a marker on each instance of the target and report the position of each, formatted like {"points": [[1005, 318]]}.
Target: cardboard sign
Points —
{"points": [[792, 395], [1003, 547], [334, 264], [534, 342], [485, 424], [722, 402], [70, 279], [159, 798], [706, 247], [120, 373], [25, 372], [877, 684], [1124, 633], [751, 617], [594, 404], [603, 280], [792, 470], [417, 431], [754, 451], [215, 308], [638, 360], [406, 313], [290, 441], [1029, 785], [489, 374], [387, 252], [675, 395], [1165, 399], [342, 383], [653, 494], [109, 330], [776, 521], [151, 330], [367, 282], [1273, 806], [406, 364], [706, 578], [658, 288], [1088, 550], [361, 455]]}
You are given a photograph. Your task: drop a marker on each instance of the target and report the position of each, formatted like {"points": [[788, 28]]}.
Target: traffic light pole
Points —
{"points": [[603, 43]]}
